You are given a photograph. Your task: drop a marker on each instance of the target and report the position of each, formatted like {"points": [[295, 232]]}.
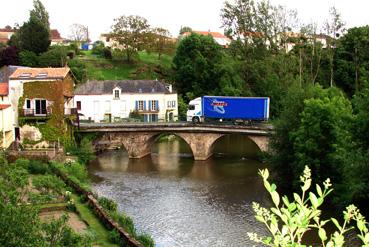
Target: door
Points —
{"points": [[40, 107]]}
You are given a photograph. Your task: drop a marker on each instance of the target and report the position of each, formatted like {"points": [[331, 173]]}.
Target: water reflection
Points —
{"points": [[181, 202]]}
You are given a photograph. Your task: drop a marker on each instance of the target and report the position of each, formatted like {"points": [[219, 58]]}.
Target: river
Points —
{"points": [[182, 202]]}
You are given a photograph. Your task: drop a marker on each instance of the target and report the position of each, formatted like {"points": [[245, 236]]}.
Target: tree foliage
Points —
{"points": [[9, 56], [34, 35], [130, 32], [197, 65]]}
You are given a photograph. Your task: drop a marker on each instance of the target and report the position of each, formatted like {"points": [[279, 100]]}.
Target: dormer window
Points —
{"points": [[25, 75], [116, 94], [41, 75]]}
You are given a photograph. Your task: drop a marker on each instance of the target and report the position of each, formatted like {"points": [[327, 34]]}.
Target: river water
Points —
{"points": [[182, 202]]}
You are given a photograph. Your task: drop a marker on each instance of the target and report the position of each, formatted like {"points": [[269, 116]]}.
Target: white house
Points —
{"points": [[218, 37], [111, 101], [6, 117]]}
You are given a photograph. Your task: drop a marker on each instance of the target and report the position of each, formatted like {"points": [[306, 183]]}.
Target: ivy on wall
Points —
{"points": [[56, 126]]}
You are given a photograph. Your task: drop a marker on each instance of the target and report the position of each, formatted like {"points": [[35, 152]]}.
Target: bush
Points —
{"points": [[108, 204], [146, 240], [47, 184], [37, 167], [28, 58], [115, 238], [125, 221], [55, 57], [78, 69], [107, 53], [22, 163]]}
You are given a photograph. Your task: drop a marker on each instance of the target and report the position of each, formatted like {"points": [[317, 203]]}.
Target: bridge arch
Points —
{"points": [[238, 144], [154, 139]]}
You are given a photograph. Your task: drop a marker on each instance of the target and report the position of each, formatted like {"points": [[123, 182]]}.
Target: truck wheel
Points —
{"points": [[195, 120]]}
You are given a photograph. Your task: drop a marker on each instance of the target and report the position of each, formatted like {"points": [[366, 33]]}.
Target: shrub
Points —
{"points": [[28, 58], [108, 204], [107, 53], [146, 240], [23, 163], [55, 57], [78, 69], [47, 184], [125, 221], [37, 167], [115, 238]]}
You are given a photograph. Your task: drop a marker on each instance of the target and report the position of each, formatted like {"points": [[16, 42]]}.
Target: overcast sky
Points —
{"points": [[201, 15]]}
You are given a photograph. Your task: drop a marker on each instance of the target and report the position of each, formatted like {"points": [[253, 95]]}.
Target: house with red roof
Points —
{"points": [[221, 39], [7, 32]]}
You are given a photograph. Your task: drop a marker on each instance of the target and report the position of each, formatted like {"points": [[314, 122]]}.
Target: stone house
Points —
{"points": [[41, 94], [115, 100]]}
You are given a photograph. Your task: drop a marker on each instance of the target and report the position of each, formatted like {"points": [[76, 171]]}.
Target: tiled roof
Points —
{"points": [[214, 34], [40, 73], [4, 106], [54, 34], [127, 86], [4, 89], [7, 30]]}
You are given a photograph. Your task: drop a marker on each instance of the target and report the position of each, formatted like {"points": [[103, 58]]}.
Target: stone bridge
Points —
{"points": [[137, 139]]}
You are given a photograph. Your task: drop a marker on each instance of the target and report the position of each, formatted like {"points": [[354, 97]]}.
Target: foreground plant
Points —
{"points": [[289, 221]]}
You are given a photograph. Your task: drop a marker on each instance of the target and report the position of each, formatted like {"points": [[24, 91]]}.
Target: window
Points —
{"points": [[40, 107], [25, 75], [41, 75], [169, 104], [153, 105], [173, 103], [116, 94], [191, 107], [79, 106], [28, 103], [140, 105]]}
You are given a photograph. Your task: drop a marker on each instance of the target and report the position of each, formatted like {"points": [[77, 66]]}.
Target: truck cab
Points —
{"points": [[194, 112]]}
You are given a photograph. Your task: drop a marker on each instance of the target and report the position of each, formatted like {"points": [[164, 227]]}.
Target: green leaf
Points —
{"points": [[336, 223], [313, 200], [273, 187], [319, 190], [275, 197], [322, 234]]}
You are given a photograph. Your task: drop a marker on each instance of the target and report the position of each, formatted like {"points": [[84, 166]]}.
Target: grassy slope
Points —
{"points": [[102, 238], [116, 69]]}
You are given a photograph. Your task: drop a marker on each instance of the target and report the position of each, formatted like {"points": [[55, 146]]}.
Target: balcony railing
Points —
{"points": [[34, 113]]}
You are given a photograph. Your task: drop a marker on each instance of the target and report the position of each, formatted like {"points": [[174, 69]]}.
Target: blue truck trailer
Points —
{"points": [[223, 108]]}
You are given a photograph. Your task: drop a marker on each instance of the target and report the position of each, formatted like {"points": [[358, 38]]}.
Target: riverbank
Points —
{"points": [[59, 198]]}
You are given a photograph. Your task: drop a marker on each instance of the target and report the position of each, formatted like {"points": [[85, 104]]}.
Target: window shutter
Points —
{"points": [[150, 105], [145, 118], [157, 105], [136, 107], [144, 105]]}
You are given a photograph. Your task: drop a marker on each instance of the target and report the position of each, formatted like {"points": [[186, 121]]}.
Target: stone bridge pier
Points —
{"points": [[138, 144]]}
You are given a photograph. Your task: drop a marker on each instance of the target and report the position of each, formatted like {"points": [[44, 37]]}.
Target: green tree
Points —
{"points": [[185, 29], [351, 60], [323, 139], [160, 42], [314, 126], [131, 33], [39, 12], [34, 36], [196, 66], [333, 27]]}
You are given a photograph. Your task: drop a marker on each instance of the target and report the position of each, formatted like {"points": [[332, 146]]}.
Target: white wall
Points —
{"points": [[94, 107], [6, 123]]}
